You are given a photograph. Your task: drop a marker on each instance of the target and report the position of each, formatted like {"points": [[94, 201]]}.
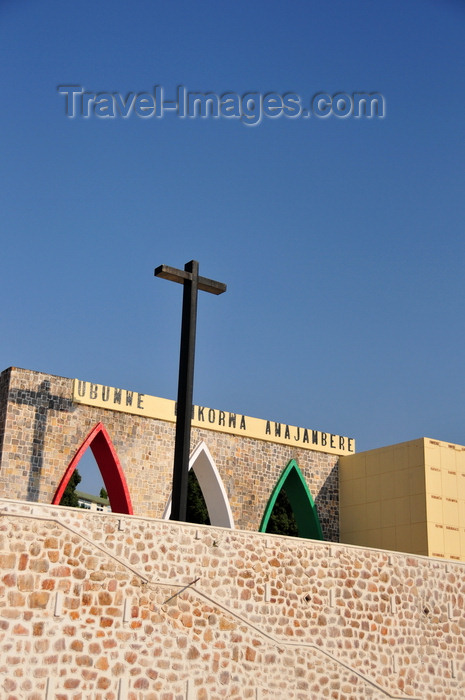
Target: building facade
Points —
{"points": [[88, 501], [408, 497]]}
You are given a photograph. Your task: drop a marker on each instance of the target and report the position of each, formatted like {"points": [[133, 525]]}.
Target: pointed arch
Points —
{"points": [[213, 490], [110, 467], [300, 498]]}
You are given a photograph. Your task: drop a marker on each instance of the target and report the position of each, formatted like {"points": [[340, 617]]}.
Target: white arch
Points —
{"points": [[214, 493]]}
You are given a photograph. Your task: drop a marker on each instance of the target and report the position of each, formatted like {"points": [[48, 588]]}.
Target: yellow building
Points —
{"points": [[408, 497]]}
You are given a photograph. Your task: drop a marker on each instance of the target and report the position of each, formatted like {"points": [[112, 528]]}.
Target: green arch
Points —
{"points": [[301, 500]]}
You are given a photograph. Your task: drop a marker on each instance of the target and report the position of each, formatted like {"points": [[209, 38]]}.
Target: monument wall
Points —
{"points": [[46, 418], [105, 607]]}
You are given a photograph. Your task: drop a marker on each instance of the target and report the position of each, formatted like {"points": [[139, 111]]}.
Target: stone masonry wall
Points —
{"points": [[44, 429], [106, 607]]}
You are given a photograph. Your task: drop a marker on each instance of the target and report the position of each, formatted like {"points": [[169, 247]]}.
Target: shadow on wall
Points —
{"points": [[43, 402], [327, 505]]}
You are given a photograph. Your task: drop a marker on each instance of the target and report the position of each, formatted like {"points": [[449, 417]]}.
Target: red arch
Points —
{"points": [[110, 468]]}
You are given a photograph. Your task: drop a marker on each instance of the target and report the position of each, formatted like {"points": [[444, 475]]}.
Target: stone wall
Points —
{"points": [[106, 607], [44, 429]]}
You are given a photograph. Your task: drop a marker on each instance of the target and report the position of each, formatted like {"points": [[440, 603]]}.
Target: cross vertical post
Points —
{"points": [[192, 282], [185, 394]]}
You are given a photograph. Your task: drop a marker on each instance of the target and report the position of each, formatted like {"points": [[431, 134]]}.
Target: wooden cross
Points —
{"points": [[192, 282]]}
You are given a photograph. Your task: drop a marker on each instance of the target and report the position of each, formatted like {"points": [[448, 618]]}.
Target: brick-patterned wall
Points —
{"points": [[99, 607], [44, 429]]}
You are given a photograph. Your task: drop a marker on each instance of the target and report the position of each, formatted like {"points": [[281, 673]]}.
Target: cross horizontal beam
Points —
{"points": [[181, 276]]}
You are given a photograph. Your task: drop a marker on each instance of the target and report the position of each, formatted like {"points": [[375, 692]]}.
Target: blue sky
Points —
{"points": [[341, 240]]}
